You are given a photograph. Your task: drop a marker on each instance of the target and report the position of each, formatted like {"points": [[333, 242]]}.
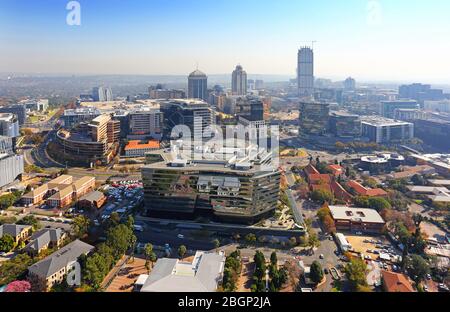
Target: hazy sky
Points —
{"points": [[406, 39]]}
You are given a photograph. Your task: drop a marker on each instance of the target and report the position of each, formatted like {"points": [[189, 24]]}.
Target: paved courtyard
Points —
{"points": [[127, 276]]}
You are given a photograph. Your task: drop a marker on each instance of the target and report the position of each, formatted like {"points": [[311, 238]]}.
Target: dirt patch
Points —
{"points": [[362, 243], [244, 282]]}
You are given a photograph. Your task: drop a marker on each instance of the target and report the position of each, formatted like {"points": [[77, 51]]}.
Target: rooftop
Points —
{"points": [[42, 238], [197, 73], [382, 158], [382, 121], [133, 145], [395, 282], [93, 196], [13, 229], [356, 214], [60, 259], [173, 275]]}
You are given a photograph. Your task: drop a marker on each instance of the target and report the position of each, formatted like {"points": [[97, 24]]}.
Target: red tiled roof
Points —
{"points": [[310, 169], [339, 192], [361, 190], [336, 169], [321, 187], [132, 145], [325, 178], [376, 192], [395, 282]]}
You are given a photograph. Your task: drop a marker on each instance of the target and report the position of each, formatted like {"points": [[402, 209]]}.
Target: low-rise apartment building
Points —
{"points": [[18, 232], [60, 192], [53, 269], [43, 240]]}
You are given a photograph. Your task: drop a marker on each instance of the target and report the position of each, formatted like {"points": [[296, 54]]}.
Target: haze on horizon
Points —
{"points": [[366, 39]]}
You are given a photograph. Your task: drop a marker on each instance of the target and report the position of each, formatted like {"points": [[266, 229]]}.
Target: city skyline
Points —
{"points": [[368, 40]]}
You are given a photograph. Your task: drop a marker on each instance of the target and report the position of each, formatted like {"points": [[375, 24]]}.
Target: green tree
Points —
{"points": [[30, 220], [182, 251], [7, 201], [120, 239], [250, 238], [379, 203], [6, 243], [322, 196], [97, 268], [356, 273], [80, 226], [361, 201], [14, 269], [216, 243], [316, 272], [273, 259], [148, 251], [418, 268]]}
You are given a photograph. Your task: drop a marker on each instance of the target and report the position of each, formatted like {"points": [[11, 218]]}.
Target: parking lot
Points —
{"points": [[122, 198]]}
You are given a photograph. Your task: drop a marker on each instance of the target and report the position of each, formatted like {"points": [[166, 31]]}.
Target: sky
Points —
{"points": [[382, 40]]}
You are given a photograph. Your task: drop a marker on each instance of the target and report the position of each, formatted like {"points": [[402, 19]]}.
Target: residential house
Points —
{"points": [[44, 239], [18, 232], [396, 282], [52, 270]]}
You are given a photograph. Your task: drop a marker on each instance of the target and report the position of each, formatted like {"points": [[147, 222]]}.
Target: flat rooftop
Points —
{"points": [[356, 214], [382, 121]]}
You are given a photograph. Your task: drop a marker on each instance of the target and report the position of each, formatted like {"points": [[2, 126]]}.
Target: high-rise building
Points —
{"points": [[198, 85], [195, 114], [146, 122], [349, 84], [344, 124], [388, 108], [19, 110], [314, 118], [250, 108], [420, 92], [385, 130], [11, 165], [102, 94], [72, 117], [222, 188], [305, 72], [90, 143], [239, 81], [9, 125], [433, 132]]}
